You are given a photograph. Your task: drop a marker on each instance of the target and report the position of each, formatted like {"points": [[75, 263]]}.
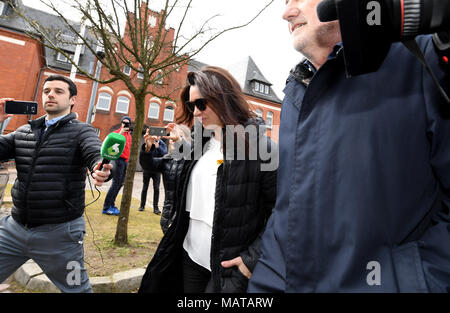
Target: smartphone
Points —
{"points": [[21, 107], [157, 131]]}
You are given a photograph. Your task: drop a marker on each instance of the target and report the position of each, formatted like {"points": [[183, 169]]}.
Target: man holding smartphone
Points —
{"points": [[120, 169], [154, 147], [51, 155]]}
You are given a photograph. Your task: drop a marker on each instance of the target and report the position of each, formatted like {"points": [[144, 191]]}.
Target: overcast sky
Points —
{"points": [[266, 39]]}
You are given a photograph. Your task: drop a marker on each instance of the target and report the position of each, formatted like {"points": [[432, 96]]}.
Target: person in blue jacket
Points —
{"points": [[363, 185]]}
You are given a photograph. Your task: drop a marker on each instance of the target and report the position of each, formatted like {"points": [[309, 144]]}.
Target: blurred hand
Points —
{"points": [[101, 176], [170, 127], [3, 115]]}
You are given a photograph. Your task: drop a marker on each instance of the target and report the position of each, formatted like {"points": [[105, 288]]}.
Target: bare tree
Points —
{"points": [[145, 47]]}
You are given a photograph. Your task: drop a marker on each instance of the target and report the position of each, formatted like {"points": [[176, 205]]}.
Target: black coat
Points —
{"points": [[244, 199], [51, 169]]}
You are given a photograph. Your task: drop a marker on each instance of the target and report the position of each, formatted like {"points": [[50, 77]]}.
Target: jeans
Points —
{"points": [[56, 248], [156, 176], [119, 171]]}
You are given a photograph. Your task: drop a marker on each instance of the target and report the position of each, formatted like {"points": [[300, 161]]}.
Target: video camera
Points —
{"points": [[369, 27]]}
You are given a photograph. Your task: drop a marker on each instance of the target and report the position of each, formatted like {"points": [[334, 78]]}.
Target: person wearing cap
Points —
{"points": [[120, 169]]}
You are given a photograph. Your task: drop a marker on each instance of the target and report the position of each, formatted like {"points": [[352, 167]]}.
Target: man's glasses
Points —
{"points": [[199, 103]]}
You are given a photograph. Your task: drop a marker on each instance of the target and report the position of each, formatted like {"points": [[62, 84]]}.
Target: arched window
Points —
{"points": [[122, 104], [153, 110], [169, 114], [269, 120], [103, 101]]}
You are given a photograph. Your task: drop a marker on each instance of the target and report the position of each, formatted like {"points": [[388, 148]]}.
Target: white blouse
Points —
{"points": [[200, 202]]}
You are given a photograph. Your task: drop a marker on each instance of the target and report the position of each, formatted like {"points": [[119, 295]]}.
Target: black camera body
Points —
{"points": [[369, 27], [126, 124]]}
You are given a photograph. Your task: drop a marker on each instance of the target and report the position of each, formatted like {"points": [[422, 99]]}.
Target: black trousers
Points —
{"points": [[156, 176], [196, 278]]}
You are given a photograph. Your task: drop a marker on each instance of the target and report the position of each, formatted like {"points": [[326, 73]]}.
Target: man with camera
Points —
{"points": [[154, 147], [51, 155], [120, 169], [364, 176]]}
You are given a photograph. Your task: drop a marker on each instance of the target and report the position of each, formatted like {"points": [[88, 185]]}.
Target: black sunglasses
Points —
{"points": [[199, 103]]}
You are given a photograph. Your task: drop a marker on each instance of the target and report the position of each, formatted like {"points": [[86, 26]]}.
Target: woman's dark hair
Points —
{"points": [[223, 94], [68, 81]]}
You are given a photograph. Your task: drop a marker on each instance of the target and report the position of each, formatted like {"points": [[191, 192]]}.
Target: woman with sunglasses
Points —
{"points": [[223, 197]]}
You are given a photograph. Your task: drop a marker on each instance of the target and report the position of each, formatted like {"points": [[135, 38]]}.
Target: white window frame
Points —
{"points": [[269, 118], [120, 99], [169, 110], [61, 58], [266, 89], [2, 7], [150, 107], [261, 88], [256, 87], [125, 70], [259, 112], [139, 74], [101, 95]]}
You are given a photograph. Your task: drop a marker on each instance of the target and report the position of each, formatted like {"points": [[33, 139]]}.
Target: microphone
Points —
{"points": [[112, 148], [326, 11]]}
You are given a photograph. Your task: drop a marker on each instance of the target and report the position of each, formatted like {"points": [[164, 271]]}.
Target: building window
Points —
{"points": [[153, 110], [152, 21], [149, 43], [169, 114], [104, 101], [2, 7], [159, 77], [122, 104], [127, 70], [61, 58], [269, 120], [140, 74], [261, 88], [259, 112]]}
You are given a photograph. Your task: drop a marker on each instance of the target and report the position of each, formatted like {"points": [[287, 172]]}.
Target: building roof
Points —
{"points": [[245, 72], [14, 22]]}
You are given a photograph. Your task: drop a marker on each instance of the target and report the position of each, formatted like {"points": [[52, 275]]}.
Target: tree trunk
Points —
{"points": [[121, 238]]}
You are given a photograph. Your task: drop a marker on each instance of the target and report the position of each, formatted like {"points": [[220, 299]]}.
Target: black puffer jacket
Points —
{"points": [[51, 169], [244, 199]]}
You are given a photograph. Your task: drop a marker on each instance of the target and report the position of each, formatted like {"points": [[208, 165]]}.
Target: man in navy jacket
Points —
{"points": [[364, 176]]}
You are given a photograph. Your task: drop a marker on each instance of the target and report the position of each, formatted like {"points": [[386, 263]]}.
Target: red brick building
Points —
{"points": [[25, 63]]}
